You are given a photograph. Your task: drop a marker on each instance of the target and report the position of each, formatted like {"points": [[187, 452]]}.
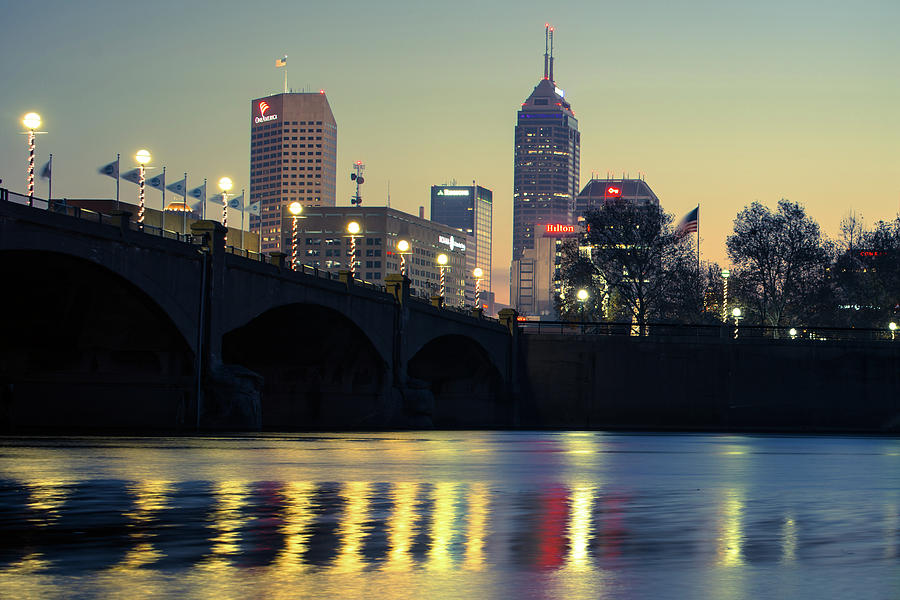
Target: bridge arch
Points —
{"points": [[84, 346], [467, 386], [319, 367]]}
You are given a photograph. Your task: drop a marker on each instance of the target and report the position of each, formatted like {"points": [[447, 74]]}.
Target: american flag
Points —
{"points": [[690, 223]]}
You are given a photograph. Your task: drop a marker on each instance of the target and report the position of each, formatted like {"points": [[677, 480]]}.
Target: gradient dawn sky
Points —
{"points": [[718, 103]]}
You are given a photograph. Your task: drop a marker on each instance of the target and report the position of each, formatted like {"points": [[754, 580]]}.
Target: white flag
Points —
{"points": [[157, 181], [198, 192], [110, 170], [237, 203], [178, 187], [254, 208]]}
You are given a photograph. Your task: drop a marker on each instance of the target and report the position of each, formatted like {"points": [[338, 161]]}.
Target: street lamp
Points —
{"points": [[442, 264], [31, 121], [353, 230], [725, 274], [792, 332], [295, 209], [142, 157], [403, 250], [893, 327], [736, 313], [225, 184], [582, 296], [478, 273]]}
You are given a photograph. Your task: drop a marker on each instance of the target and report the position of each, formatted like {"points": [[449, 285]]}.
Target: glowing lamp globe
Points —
{"points": [[295, 208], [32, 120], [477, 272], [792, 332], [736, 312], [142, 156], [892, 326], [225, 184], [582, 295], [403, 246], [442, 259], [353, 227]]}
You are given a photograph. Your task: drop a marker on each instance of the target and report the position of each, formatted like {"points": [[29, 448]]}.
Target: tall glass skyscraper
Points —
{"points": [[547, 164], [468, 208]]}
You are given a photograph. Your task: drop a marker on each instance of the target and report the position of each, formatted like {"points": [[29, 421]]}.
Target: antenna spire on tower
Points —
{"points": [[551, 56], [546, 45]]}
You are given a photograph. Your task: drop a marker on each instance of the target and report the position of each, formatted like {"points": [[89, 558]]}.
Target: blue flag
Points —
{"points": [[46, 171], [254, 208], [157, 181], [110, 170], [198, 192], [237, 203], [178, 187], [134, 176]]}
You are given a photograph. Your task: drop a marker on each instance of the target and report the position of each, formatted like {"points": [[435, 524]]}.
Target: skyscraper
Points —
{"points": [[547, 162], [293, 157], [468, 208]]}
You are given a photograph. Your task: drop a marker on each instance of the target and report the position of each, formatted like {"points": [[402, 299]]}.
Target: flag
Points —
{"points": [[281, 62], [690, 223], [157, 181], [253, 209], [195, 206], [198, 192], [178, 187], [46, 170], [110, 170], [134, 176], [237, 203], [217, 200]]}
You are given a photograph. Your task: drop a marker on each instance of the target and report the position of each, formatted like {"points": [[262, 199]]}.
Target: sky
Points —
{"points": [[716, 103]]}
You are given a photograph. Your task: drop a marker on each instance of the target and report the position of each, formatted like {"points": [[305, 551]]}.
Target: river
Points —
{"points": [[451, 515]]}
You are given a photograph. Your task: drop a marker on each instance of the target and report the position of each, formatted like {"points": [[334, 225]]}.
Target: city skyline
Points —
{"points": [[717, 105]]}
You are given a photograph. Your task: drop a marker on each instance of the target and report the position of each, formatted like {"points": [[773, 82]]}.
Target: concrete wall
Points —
{"points": [[627, 382]]}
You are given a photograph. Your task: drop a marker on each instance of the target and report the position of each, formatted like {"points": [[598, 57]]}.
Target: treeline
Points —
{"points": [[637, 267]]}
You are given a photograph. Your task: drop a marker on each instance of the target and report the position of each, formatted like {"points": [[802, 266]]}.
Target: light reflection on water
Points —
{"points": [[451, 515]]}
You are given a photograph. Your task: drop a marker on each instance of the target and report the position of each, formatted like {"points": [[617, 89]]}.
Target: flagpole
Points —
{"points": [[698, 237], [243, 202], [203, 202], [117, 180], [184, 207], [164, 204], [50, 191]]}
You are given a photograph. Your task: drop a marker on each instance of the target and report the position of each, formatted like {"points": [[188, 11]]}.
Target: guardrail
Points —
{"points": [[706, 331]]}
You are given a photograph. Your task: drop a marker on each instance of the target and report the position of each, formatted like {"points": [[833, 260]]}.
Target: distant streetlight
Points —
{"points": [[402, 250], [225, 184], [142, 157], [725, 275], [736, 313], [295, 209], [893, 327], [442, 264], [31, 121], [353, 229], [478, 273], [792, 332], [582, 296]]}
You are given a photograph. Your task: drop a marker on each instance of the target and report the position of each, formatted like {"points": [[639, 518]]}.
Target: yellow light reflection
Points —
{"points": [[298, 517], [789, 540], [401, 526], [353, 526], [443, 525], [730, 535], [232, 496], [46, 496], [580, 528], [149, 497], [479, 500]]}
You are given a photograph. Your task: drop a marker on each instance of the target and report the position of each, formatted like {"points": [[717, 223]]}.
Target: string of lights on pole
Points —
{"points": [[442, 265], [295, 209], [142, 157], [403, 250], [31, 121], [225, 184], [353, 230]]}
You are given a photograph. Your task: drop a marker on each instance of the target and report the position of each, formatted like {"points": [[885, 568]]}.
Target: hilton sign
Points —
{"points": [[559, 229]]}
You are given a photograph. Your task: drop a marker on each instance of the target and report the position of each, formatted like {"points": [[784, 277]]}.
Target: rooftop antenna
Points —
{"points": [[389, 193], [551, 57], [358, 178], [546, 46]]}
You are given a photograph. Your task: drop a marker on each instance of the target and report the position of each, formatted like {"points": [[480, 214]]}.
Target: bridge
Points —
{"points": [[110, 325], [107, 324]]}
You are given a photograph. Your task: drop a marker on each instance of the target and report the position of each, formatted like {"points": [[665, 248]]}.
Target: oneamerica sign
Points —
{"points": [[263, 118]]}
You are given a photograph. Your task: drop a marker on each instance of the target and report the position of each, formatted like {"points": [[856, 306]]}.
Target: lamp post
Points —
{"points": [[793, 333], [353, 230], [582, 296], [225, 184], [736, 313], [893, 327], [478, 273], [142, 157], [31, 121], [295, 209], [442, 264], [403, 250], [725, 274]]}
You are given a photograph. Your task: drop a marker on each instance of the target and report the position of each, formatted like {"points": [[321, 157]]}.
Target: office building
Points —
{"points": [[293, 157], [535, 277], [324, 243], [598, 191], [468, 208], [547, 163]]}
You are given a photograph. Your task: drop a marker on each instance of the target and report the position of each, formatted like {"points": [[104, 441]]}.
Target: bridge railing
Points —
{"points": [[706, 331]]}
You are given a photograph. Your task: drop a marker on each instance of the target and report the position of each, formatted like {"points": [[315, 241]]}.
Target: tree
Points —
{"points": [[867, 277], [637, 265], [781, 263]]}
